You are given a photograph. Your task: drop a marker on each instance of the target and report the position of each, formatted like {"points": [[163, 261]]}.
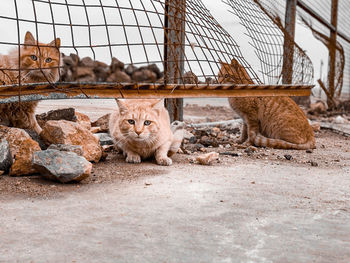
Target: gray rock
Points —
{"points": [[5, 156], [36, 138], [54, 115], [87, 62], [61, 166], [105, 139], [78, 149], [130, 69]]}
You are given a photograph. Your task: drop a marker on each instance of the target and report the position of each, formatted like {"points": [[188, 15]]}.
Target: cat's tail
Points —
{"points": [[263, 141], [178, 134]]}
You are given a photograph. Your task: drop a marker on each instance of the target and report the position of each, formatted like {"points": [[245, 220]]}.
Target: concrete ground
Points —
{"points": [[238, 213], [238, 210]]}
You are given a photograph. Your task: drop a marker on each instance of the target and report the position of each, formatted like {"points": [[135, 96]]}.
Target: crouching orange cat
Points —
{"points": [[275, 122], [141, 129], [38, 63]]}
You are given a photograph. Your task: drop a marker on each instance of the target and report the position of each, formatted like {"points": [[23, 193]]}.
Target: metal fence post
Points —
{"points": [[174, 45], [332, 51], [288, 47]]}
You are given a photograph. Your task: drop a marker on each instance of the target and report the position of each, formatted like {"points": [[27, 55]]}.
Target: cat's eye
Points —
{"points": [[48, 60], [33, 57], [131, 122], [147, 122]]}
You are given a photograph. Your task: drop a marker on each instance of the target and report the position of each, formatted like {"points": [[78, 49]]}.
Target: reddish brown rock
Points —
{"points": [[190, 78], [102, 122], [66, 132], [22, 148], [116, 65], [119, 76], [83, 120], [144, 75], [85, 74]]}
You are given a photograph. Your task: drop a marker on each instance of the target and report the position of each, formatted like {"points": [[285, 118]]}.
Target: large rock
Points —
{"points": [[83, 120], [119, 76], [105, 139], [85, 74], [67, 148], [102, 122], [36, 137], [101, 71], [5, 156], [22, 147], [66, 132], [61, 166], [144, 75], [116, 64], [87, 62], [67, 114]]}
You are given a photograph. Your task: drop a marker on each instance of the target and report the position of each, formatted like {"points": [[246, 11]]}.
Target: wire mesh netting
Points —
{"points": [[159, 42], [323, 8], [119, 41], [265, 27]]}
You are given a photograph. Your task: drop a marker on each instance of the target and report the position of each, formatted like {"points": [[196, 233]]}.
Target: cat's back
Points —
{"points": [[282, 118]]}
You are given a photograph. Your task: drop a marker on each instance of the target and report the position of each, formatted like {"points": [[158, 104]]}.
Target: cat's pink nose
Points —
{"points": [[138, 132]]}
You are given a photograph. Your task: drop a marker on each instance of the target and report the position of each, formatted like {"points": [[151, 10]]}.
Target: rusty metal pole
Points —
{"points": [[174, 46], [332, 52], [288, 47]]}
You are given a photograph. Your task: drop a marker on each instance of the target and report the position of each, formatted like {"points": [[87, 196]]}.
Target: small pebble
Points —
{"points": [[313, 163], [288, 157], [193, 139]]}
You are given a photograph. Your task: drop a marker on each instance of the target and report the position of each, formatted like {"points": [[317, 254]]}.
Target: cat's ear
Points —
{"points": [[55, 43], [159, 104], [29, 40], [121, 105]]}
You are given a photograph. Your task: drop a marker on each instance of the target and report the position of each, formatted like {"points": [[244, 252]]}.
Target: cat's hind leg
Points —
{"points": [[252, 131], [244, 134]]}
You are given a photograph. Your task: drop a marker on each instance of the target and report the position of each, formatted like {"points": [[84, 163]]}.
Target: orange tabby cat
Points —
{"points": [[37, 65], [141, 129], [276, 122]]}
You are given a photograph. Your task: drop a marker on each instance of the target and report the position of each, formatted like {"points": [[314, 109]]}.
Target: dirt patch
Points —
{"points": [[194, 113], [333, 151]]}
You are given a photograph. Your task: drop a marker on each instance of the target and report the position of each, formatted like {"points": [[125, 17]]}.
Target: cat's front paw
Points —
{"points": [[133, 158], [166, 161]]}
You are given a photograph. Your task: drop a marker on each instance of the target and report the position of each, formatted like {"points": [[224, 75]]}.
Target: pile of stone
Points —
{"points": [[88, 70], [64, 150], [198, 139]]}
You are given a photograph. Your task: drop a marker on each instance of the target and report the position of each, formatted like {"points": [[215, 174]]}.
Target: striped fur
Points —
{"points": [[21, 115], [275, 122], [141, 129]]}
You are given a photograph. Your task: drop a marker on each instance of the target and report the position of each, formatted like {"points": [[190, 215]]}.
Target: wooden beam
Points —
{"points": [[131, 90]]}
